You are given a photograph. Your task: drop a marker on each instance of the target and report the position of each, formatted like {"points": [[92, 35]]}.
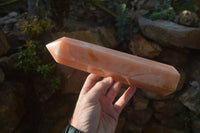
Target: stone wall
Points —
{"points": [[28, 105]]}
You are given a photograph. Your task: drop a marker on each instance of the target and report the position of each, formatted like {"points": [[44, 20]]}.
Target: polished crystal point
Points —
{"points": [[129, 69]]}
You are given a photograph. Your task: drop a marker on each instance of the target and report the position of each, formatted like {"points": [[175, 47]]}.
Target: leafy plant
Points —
{"points": [[45, 69], [33, 27], [162, 11], [30, 55], [27, 56], [55, 83], [118, 16], [168, 8], [124, 25], [29, 60]]}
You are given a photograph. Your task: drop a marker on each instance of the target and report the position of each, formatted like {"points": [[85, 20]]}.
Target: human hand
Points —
{"points": [[95, 111]]}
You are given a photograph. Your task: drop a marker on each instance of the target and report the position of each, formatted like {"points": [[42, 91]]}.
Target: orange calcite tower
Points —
{"points": [[129, 69]]}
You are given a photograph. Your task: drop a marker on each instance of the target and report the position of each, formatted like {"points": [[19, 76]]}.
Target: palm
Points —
{"points": [[95, 112], [109, 116]]}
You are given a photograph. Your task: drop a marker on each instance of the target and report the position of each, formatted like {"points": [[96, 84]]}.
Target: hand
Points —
{"points": [[95, 111]]}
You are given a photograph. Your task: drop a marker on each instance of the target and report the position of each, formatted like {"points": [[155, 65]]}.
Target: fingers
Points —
{"points": [[112, 93], [123, 100], [100, 87], [90, 82]]}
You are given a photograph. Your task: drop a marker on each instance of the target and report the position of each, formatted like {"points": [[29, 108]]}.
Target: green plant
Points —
{"points": [[118, 16], [124, 24], [167, 14], [168, 9], [162, 11], [29, 60], [33, 27], [45, 69], [55, 83], [30, 55]]}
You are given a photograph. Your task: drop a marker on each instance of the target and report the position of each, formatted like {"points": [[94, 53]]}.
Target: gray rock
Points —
{"points": [[9, 23], [189, 98], [10, 18], [12, 14], [188, 18], [169, 33], [2, 76]]}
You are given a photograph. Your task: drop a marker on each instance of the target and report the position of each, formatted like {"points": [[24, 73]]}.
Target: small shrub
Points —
{"points": [[33, 27], [30, 55], [162, 11], [55, 83], [169, 8], [29, 60], [124, 25], [167, 14]]}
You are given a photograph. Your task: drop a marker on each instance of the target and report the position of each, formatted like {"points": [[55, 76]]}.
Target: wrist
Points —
{"points": [[74, 123]]}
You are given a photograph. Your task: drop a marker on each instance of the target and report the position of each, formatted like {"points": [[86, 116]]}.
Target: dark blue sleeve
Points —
{"points": [[70, 129]]}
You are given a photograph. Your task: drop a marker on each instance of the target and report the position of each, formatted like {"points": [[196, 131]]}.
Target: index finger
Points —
{"points": [[90, 82]]}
